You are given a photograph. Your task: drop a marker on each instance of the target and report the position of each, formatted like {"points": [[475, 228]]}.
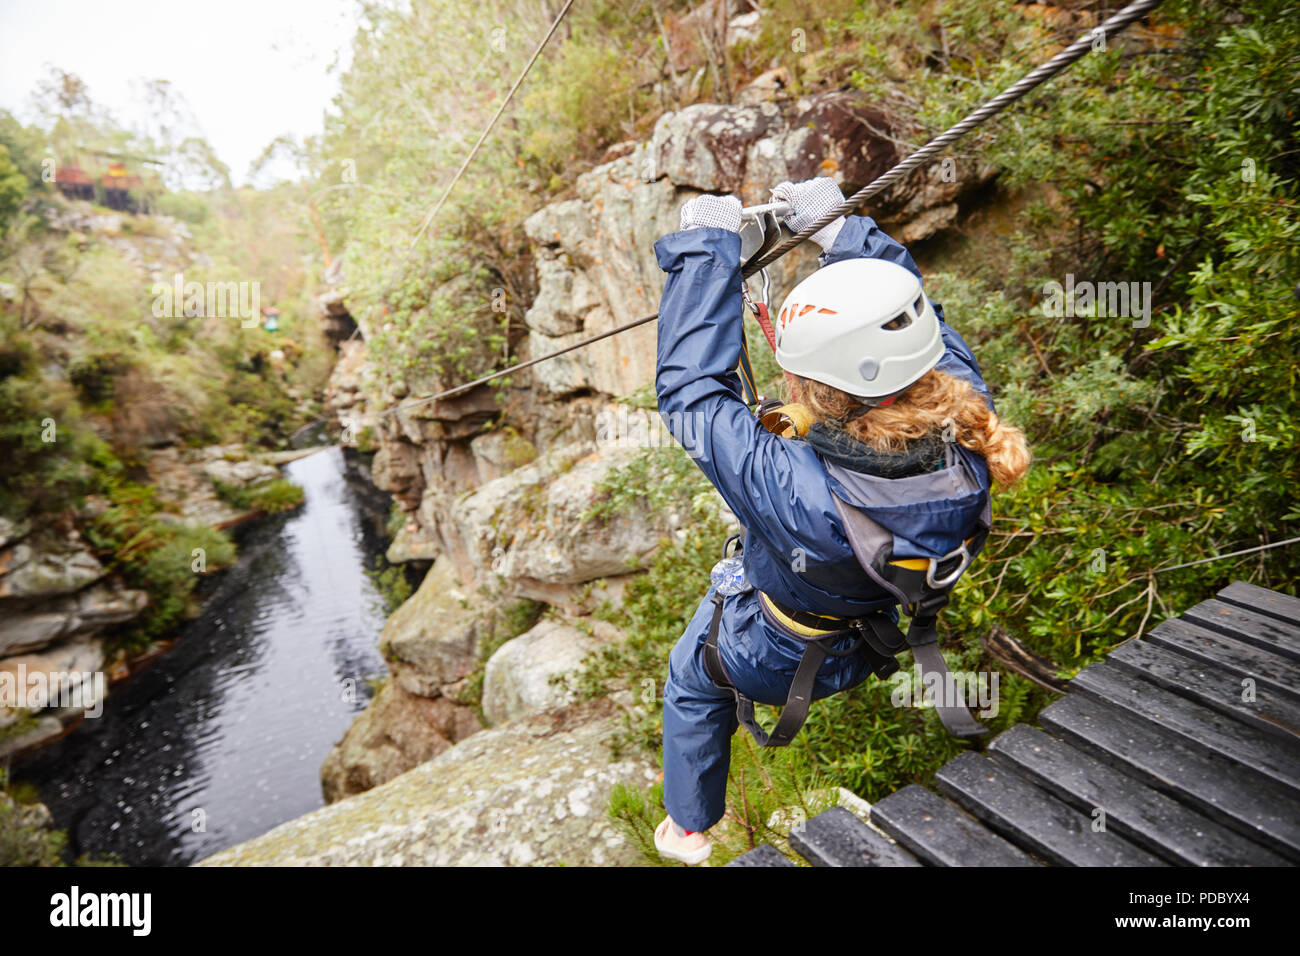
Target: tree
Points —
{"points": [[13, 186]]}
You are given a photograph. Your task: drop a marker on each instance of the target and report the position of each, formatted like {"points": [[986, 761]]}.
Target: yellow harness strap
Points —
{"points": [[800, 629]]}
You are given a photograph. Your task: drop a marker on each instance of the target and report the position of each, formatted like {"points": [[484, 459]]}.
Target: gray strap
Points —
{"points": [[795, 711], [797, 702], [957, 720]]}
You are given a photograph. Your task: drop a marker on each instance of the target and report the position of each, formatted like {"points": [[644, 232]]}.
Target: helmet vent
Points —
{"points": [[919, 305], [900, 321]]}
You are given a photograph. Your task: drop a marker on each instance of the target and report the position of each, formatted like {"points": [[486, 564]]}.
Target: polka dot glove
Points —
{"points": [[809, 201], [720, 212]]}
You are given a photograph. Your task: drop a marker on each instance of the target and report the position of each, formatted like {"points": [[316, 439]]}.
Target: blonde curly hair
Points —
{"points": [[936, 402]]}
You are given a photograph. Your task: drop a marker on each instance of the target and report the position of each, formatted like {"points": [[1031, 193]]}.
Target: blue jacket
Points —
{"points": [[779, 489]]}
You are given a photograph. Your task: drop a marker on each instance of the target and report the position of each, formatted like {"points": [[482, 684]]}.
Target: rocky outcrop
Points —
{"points": [[47, 566], [528, 526], [519, 678], [432, 643], [45, 694], [595, 271], [397, 731], [532, 792], [168, 245], [65, 616], [411, 543], [188, 477], [338, 324], [345, 399], [240, 474], [57, 598]]}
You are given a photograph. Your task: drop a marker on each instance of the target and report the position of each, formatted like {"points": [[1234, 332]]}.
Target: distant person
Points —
{"points": [[904, 433]]}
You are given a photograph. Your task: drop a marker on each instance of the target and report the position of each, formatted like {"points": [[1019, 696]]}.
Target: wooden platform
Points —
{"points": [[1181, 749]]}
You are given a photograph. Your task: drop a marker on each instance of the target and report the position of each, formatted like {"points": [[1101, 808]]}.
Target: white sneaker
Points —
{"points": [[690, 849]]}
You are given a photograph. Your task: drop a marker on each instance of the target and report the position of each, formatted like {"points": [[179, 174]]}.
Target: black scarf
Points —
{"points": [[918, 457]]}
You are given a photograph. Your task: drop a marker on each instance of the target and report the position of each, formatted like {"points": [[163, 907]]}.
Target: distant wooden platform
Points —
{"points": [[1181, 749]]}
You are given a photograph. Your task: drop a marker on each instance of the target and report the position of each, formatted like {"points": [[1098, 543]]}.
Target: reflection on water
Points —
{"points": [[222, 738]]}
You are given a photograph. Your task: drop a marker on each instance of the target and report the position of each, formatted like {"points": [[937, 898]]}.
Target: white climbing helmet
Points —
{"points": [[863, 326]]}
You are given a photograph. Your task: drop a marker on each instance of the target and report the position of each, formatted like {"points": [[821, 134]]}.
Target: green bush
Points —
{"points": [[13, 187], [189, 207], [391, 584], [22, 843], [49, 457], [158, 556], [272, 497]]}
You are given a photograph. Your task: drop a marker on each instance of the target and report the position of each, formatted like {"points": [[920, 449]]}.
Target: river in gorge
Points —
{"points": [[222, 738]]}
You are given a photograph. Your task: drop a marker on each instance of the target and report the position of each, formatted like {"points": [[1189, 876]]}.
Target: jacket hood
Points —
{"points": [[928, 514]]}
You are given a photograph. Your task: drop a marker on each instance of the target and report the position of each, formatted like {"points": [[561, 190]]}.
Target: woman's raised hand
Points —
{"points": [[809, 201], [720, 212]]}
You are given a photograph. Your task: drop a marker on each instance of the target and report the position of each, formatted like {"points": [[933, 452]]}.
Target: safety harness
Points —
{"points": [[921, 586]]}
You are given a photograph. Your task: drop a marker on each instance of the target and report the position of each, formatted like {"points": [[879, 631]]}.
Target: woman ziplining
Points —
{"points": [[882, 501]]}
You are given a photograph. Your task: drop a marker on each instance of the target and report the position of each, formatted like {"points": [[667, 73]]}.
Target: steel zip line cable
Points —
{"points": [[1036, 77], [433, 211], [1015, 91]]}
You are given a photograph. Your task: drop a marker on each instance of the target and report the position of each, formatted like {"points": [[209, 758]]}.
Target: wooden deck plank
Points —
{"points": [[1220, 788], [1211, 687], [1030, 817], [941, 833], [1201, 728], [1267, 669], [1145, 817], [762, 855], [1284, 607], [837, 838], [1261, 630]]}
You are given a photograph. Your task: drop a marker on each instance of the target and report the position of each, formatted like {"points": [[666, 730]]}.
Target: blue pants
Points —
{"points": [[699, 717]]}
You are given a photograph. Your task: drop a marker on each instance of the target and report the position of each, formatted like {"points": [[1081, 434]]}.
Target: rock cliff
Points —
{"points": [[57, 599], [530, 793]]}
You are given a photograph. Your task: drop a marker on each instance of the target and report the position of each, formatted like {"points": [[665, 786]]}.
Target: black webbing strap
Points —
{"points": [[879, 639], [923, 639], [797, 702]]}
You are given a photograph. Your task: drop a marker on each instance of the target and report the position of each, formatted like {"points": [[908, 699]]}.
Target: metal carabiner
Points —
{"points": [[948, 579]]}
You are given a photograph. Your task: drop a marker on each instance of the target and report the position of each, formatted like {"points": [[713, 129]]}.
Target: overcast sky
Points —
{"points": [[249, 69]]}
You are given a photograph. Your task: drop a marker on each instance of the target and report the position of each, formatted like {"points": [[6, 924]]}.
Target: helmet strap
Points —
{"points": [[868, 406]]}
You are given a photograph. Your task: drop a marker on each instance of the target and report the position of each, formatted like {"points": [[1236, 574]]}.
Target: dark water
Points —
{"points": [[222, 738]]}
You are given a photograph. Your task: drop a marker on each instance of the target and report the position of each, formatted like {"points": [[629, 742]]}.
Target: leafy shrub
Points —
{"points": [[391, 584], [160, 557], [272, 497]]}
